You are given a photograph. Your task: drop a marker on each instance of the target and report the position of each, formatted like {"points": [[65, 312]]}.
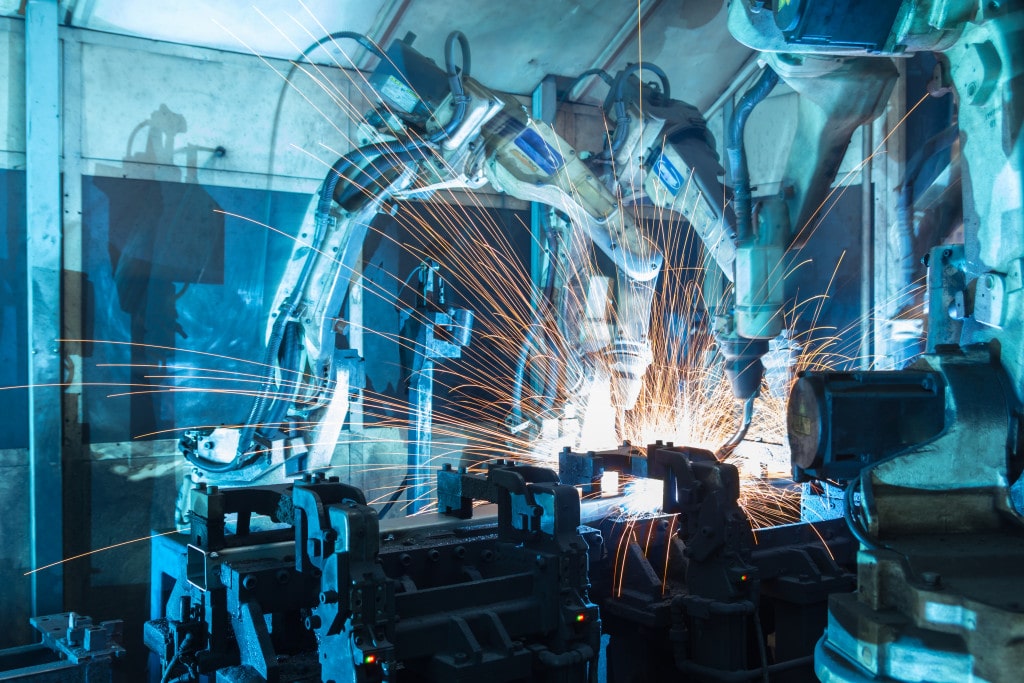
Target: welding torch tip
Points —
{"points": [[748, 417]]}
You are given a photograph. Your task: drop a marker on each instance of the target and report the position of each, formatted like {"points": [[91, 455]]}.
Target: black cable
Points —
{"points": [[372, 174], [394, 497], [608, 80], [449, 55], [738, 170], [859, 532], [455, 76], [622, 118], [640, 66], [164, 678]]}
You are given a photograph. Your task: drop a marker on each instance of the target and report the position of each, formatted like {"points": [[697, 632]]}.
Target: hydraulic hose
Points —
{"points": [[622, 119], [584, 76], [372, 174], [455, 76], [738, 170], [741, 432], [665, 88]]}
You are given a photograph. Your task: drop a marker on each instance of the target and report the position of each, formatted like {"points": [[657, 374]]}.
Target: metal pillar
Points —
{"points": [[43, 248], [867, 252], [421, 415], [544, 106]]}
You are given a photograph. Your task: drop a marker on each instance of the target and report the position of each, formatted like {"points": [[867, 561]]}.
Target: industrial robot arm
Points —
{"points": [[678, 169], [933, 452], [439, 128]]}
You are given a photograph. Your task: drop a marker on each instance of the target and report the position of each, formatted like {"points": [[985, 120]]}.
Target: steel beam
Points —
{"points": [[867, 252], [43, 248], [544, 106], [421, 423]]}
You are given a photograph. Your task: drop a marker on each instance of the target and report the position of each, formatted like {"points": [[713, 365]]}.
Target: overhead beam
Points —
{"points": [[43, 241], [622, 38]]}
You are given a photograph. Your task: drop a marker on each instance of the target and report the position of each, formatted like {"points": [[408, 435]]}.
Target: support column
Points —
{"points": [[887, 169], [544, 106], [867, 252], [43, 248]]}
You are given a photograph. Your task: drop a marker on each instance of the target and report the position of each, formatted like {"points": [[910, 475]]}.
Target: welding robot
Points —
{"points": [[931, 454], [436, 129]]}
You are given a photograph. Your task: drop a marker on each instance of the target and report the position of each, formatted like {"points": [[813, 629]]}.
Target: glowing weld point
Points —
{"points": [[643, 496], [609, 484]]}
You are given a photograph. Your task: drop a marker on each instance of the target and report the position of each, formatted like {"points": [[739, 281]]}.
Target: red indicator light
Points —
{"points": [[369, 659], [581, 618]]}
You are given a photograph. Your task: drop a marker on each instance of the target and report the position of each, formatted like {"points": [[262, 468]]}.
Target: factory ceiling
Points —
{"points": [[515, 44]]}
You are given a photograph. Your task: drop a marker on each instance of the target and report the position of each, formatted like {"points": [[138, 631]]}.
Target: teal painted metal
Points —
{"points": [[543, 108], [44, 241]]}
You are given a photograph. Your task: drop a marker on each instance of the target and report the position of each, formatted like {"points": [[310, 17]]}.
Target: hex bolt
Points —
{"points": [[405, 559], [283, 576], [434, 555], [249, 582], [460, 551], [329, 597], [312, 622]]}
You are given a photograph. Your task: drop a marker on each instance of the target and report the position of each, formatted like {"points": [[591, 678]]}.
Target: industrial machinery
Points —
{"points": [[931, 502], [684, 590], [302, 583], [72, 648], [935, 497], [438, 129]]}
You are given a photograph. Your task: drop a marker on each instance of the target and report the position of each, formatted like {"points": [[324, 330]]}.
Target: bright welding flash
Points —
{"points": [[609, 484]]}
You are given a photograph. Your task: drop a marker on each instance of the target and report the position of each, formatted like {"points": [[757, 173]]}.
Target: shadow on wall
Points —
{"points": [[162, 238]]}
